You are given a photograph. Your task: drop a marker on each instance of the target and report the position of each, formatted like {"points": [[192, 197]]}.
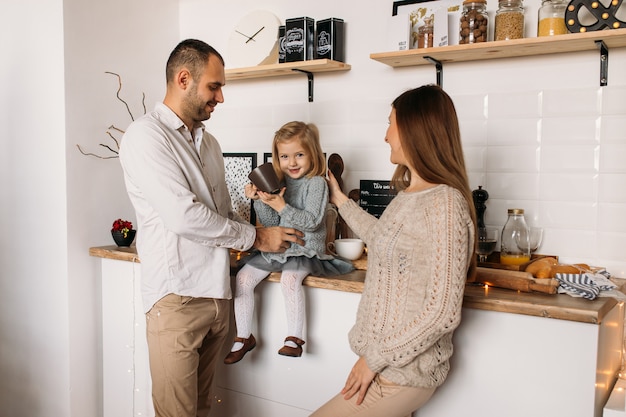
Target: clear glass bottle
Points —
{"points": [[509, 20], [425, 33], [474, 22], [515, 230], [552, 18]]}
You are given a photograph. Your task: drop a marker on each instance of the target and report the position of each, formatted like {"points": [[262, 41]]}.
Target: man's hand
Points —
{"points": [[250, 191], [276, 239]]}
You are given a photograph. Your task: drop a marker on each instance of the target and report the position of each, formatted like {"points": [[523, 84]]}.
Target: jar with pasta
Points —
{"points": [[473, 23], [552, 18], [509, 20]]}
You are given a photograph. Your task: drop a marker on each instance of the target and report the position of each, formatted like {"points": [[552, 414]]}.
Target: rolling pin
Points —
{"points": [[515, 280]]}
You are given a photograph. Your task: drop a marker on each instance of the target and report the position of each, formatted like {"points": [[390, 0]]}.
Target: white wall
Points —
{"points": [[33, 249], [539, 132], [55, 202], [131, 39]]}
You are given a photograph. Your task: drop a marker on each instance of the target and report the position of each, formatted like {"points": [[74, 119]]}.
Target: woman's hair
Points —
{"points": [[193, 54], [309, 137], [429, 133]]}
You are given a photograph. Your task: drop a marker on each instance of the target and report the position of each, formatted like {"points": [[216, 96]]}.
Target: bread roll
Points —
{"points": [[565, 269], [541, 268]]}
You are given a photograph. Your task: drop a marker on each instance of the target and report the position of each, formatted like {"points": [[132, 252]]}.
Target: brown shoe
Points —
{"points": [[236, 356], [296, 352]]}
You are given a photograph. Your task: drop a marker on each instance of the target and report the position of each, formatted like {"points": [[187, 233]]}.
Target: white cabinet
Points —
{"points": [[504, 364], [126, 383]]}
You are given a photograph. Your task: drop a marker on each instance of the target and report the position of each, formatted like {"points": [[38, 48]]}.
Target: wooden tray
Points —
{"points": [[493, 261], [515, 280]]}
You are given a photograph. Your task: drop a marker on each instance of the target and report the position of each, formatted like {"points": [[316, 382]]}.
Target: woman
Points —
{"points": [[420, 253]]}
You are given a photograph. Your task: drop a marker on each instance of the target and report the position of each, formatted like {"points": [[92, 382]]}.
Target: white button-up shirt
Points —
{"points": [[185, 220]]}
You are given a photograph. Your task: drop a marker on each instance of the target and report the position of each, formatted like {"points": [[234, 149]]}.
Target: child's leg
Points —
{"points": [[291, 284], [247, 279]]}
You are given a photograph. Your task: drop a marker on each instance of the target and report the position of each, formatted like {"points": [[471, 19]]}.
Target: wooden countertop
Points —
{"points": [[559, 306]]}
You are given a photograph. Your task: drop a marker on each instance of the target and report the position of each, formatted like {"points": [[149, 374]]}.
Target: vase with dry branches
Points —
{"points": [[113, 130]]}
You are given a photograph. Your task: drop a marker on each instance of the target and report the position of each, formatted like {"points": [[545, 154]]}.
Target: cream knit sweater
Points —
{"points": [[418, 255]]}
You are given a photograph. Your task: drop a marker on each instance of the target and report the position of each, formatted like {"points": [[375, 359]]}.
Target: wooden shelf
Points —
{"points": [[285, 69], [573, 42]]}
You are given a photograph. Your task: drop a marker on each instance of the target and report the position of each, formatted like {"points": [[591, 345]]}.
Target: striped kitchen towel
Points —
{"points": [[587, 285]]}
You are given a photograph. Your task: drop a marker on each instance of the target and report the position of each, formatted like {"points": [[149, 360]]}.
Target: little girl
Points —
{"points": [[298, 159]]}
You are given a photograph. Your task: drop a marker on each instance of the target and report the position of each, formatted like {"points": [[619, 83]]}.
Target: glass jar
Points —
{"points": [[509, 20], [515, 230], [425, 34], [474, 22], [552, 18]]}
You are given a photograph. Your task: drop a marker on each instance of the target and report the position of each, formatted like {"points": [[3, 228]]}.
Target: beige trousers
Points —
{"points": [[185, 339], [383, 399]]}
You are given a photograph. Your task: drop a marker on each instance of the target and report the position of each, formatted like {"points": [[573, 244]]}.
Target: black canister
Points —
{"points": [[281, 44], [330, 43], [299, 39]]}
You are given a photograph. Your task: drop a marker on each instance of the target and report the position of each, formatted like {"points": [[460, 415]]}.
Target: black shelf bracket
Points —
{"points": [[438, 68], [604, 62], [309, 76]]}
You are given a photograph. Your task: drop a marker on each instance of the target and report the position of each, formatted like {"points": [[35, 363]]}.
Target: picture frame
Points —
{"points": [[267, 157], [237, 167], [446, 32], [404, 6]]}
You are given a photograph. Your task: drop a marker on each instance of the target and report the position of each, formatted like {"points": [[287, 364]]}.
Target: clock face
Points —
{"points": [[254, 40]]}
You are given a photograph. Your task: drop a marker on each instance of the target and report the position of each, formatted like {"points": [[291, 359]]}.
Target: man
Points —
{"points": [[174, 174]]}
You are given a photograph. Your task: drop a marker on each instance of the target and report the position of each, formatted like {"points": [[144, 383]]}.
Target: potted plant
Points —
{"points": [[123, 232]]}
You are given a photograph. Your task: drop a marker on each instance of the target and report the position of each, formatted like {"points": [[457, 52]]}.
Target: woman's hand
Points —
{"points": [[359, 380], [275, 201], [337, 197], [250, 191]]}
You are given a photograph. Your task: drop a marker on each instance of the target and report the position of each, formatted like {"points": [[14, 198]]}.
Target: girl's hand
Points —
{"points": [[275, 201], [251, 191], [337, 197], [359, 381]]}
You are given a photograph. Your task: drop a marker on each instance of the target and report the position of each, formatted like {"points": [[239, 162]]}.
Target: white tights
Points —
{"points": [[291, 284]]}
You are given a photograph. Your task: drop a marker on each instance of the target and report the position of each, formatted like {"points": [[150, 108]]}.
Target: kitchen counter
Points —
{"points": [[563, 307], [508, 343]]}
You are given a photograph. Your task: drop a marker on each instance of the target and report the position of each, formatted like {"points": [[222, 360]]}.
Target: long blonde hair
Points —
{"points": [[309, 136], [429, 133]]}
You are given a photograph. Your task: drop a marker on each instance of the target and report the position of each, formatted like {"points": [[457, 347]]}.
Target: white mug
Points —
{"points": [[351, 249]]}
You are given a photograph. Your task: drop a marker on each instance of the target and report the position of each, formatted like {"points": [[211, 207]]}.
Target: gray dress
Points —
{"points": [[307, 200]]}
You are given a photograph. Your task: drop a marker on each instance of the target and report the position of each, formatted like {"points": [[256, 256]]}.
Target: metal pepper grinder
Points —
{"points": [[480, 196]]}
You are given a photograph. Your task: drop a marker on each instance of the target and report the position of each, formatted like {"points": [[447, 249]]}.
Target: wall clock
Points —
{"points": [[254, 40]]}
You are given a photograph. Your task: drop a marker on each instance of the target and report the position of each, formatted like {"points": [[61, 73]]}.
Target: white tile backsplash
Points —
{"points": [[473, 132], [514, 105], [562, 215], [611, 218], [613, 158], [613, 128], [471, 106], [568, 187], [514, 159], [579, 159], [572, 102], [552, 142], [614, 100], [569, 130], [514, 186], [613, 188], [516, 131]]}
